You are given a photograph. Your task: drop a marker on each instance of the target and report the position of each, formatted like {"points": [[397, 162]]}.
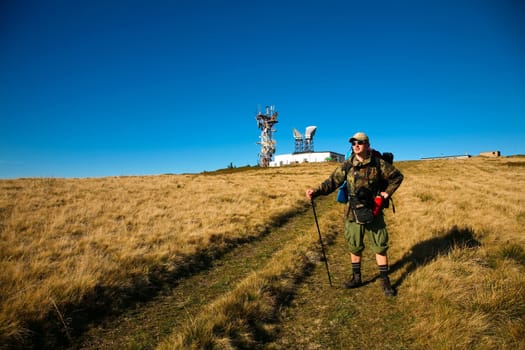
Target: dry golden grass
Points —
{"points": [[248, 312], [457, 248], [67, 242], [458, 252], [470, 293]]}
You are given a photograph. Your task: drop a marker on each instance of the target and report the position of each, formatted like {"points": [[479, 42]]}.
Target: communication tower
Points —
{"points": [[306, 143], [265, 122], [309, 138], [299, 141]]}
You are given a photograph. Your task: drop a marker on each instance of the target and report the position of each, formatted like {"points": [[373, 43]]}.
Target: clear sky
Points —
{"points": [[144, 87]]}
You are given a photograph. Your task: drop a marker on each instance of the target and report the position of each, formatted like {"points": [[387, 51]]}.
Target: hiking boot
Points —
{"points": [[354, 282], [387, 287]]}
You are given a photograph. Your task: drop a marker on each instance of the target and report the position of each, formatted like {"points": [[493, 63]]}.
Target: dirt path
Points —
{"points": [[146, 325], [321, 317]]}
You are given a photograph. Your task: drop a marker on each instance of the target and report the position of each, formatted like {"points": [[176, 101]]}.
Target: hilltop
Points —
{"points": [[233, 261]]}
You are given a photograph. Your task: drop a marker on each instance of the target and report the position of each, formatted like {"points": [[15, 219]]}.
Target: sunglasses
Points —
{"points": [[358, 143]]}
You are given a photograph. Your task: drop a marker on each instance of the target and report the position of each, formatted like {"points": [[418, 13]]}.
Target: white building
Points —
{"points": [[306, 157]]}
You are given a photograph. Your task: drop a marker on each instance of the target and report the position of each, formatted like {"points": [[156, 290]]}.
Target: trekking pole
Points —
{"points": [[322, 245]]}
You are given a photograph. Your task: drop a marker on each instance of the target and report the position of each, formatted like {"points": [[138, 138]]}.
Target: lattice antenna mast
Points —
{"points": [[309, 138], [265, 122], [299, 141]]}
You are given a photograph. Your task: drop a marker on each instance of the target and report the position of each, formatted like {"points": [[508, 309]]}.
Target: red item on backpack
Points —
{"points": [[378, 205]]}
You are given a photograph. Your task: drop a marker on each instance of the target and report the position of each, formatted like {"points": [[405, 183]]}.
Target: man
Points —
{"points": [[368, 177]]}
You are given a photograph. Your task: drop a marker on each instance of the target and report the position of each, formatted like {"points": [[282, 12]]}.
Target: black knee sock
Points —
{"points": [[383, 270], [356, 268]]}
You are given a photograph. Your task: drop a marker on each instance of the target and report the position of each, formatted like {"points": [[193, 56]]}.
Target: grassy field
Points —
{"points": [[457, 259], [69, 244], [75, 251]]}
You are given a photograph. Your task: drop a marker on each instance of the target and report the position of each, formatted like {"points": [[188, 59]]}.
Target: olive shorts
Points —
{"points": [[375, 232]]}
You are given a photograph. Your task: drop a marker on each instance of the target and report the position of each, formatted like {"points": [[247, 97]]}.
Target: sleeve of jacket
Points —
{"points": [[393, 177], [333, 182]]}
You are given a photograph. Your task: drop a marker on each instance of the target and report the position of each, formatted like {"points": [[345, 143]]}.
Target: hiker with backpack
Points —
{"points": [[371, 181]]}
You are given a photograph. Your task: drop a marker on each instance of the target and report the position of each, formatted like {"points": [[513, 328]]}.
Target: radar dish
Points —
{"points": [[309, 139], [310, 132], [297, 134]]}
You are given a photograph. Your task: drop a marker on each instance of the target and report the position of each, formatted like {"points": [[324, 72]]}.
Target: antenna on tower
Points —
{"points": [[309, 138], [265, 122], [298, 141]]}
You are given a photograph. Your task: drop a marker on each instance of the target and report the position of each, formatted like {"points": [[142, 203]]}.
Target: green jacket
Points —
{"points": [[373, 173]]}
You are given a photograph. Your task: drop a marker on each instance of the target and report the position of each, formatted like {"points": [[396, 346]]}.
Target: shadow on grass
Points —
{"points": [[105, 302], [424, 252]]}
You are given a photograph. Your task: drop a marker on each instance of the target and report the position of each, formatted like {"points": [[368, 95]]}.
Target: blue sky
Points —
{"points": [[144, 87]]}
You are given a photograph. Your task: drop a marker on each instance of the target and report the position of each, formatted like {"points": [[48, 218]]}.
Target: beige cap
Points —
{"points": [[359, 136]]}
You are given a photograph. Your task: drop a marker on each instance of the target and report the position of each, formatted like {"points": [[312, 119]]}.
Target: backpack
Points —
{"points": [[342, 192]]}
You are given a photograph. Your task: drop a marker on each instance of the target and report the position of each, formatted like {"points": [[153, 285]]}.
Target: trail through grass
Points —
{"points": [[456, 256], [146, 324], [324, 317]]}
